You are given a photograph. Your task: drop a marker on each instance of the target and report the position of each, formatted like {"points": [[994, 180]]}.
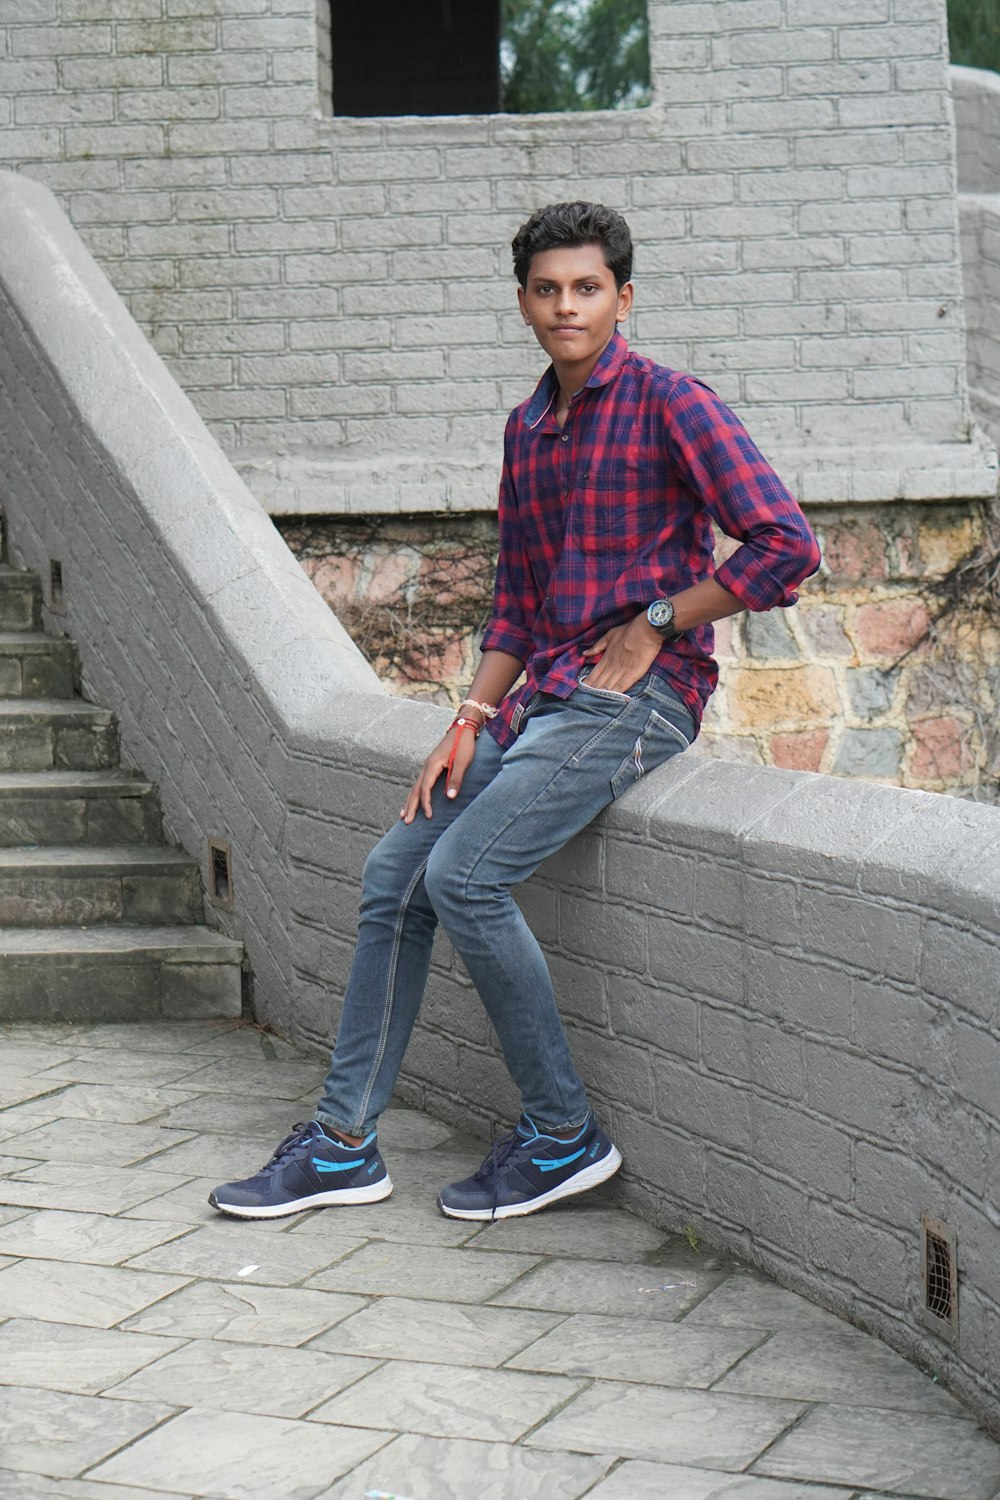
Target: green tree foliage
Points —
{"points": [[974, 33], [574, 55]]}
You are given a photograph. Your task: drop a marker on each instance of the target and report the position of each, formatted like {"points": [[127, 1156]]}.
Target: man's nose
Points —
{"points": [[565, 301]]}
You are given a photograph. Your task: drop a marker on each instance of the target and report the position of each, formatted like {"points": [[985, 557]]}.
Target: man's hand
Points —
{"points": [[627, 652], [435, 765]]}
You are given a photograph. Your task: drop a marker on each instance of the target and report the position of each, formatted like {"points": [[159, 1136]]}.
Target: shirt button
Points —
{"points": [[565, 437]]}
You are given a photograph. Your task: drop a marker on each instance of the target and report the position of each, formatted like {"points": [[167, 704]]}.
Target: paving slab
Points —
{"points": [[95, 1296], [408, 1216], [94, 1239], [261, 1315], [122, 1105], [64, 1357], [745, 1300], [51, 1432], [429, 1468], [42, 1487], [833, 1367], [391, 1270], [225, 1250], [638, 1480], [636, 1350], [234, 1377], [90, 1141], [55, 1184], [941, 1458], [459, 1334], [240, 1456], [584, 1230], [445, 1401], [685, 1427], [629, 1289]]}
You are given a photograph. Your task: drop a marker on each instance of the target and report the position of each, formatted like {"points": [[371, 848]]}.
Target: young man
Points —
{"points": [[614, 471]]}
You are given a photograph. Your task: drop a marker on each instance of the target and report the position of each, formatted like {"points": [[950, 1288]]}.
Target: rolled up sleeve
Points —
{"points": [[719, 462]]}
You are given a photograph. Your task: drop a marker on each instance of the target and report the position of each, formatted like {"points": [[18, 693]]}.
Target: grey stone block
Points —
{"points": [[870, 690], [812, 1152], [878, 938], [773, 1212], [756, 1053], [696, 960], [881, 1264], [650, 1013], [876, 1100], [717, 1110], [799, 995], [876, 753], [962, 967], [768, 634]]}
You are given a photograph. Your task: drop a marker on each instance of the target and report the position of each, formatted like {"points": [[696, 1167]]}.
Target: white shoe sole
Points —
{"points": [[342, 1198], [581, 1182]]}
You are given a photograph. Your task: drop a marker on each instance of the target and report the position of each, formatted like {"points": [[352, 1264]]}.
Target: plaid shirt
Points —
{"points": [[615, 509]]}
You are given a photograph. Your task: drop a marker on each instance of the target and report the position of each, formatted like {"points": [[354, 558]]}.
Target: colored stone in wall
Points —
{"points": [[861, 678]]}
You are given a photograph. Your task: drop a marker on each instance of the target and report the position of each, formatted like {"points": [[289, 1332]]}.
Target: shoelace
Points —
{"points": [[500, 1152], [300, 1133]]}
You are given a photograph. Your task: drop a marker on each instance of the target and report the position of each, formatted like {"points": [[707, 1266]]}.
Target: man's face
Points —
{"points": [[572, 303]]}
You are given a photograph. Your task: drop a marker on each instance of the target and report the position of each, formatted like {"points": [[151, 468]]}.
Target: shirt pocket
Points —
{"points": [[619, 507]]}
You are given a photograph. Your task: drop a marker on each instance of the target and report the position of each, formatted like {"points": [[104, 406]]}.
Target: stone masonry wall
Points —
{"points": [[781, 988], [335, 294]]}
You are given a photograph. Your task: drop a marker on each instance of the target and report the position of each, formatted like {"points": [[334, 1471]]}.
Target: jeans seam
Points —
{"points": [[390, 991]]}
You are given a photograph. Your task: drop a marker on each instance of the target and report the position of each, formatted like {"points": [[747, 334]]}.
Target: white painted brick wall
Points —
{"points": [[977, 119], [794, 175]]}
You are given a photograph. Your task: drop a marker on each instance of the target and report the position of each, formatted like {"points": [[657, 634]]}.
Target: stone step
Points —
{"points": [[80, 887], [36, 666], [40, 734], [118, 974], [20, 599], [77, 807]]}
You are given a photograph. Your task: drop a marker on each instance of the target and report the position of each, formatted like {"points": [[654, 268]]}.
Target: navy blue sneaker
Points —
{"points": [[308, 1170], [528, 1170]]}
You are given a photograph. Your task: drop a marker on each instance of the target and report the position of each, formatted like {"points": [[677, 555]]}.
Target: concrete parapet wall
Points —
{"points": [[782, 989], [336, 294]]}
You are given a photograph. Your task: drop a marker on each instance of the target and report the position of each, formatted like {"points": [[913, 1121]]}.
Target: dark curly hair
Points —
{"points": [[572, 224]]}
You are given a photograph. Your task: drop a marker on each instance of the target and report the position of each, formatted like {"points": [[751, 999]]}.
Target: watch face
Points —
{"points": [[660, 613]]}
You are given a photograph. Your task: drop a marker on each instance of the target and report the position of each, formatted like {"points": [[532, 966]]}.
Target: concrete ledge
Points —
{"points": [[782, 989]]}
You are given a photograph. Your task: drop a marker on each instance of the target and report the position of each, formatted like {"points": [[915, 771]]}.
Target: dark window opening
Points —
{"points": [[457, 57]]}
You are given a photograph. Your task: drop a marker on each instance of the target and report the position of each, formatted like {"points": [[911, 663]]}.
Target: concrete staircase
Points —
{"points": [[99, 919]]}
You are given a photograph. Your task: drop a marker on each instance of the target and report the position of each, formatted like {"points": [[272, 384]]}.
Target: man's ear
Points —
{"points": [[624, 302], [522, 306]]}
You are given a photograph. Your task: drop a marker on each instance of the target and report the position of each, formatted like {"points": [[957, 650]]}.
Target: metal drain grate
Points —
{"points": [[939, 1276]]}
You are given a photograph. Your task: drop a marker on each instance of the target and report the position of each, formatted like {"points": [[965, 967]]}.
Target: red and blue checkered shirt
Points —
{"points": [[615, 509]]}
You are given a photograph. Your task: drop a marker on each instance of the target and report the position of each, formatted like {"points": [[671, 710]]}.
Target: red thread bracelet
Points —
{"points": [[460, 724]]}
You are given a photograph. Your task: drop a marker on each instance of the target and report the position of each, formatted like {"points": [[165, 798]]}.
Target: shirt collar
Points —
{"points": [[606, 369]]}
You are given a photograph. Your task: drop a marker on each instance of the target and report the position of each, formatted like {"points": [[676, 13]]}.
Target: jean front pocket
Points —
{"points": [[659, 742]]}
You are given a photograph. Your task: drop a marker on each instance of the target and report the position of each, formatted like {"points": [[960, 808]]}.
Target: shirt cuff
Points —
{"points": [[500, 635], [755, 586]]}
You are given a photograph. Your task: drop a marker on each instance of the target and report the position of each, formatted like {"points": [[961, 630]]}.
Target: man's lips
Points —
{"points": [[567, 328]]}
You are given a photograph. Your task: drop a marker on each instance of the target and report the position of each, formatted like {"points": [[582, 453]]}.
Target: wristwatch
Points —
{"points": [[660, 615]]}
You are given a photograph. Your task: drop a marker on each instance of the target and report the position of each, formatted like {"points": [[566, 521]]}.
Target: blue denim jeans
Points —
{"points": [[516, 807]]}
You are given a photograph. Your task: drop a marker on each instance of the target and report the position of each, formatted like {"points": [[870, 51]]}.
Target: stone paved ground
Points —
{"points": [[149, 1347]]}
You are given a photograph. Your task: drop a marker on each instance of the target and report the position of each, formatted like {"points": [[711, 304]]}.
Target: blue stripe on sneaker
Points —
{"points": [[335, 1166], [560, 1161]]}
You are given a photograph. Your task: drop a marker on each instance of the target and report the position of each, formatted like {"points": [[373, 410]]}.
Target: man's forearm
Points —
{"points": [[495, 676], [702, 603]]}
